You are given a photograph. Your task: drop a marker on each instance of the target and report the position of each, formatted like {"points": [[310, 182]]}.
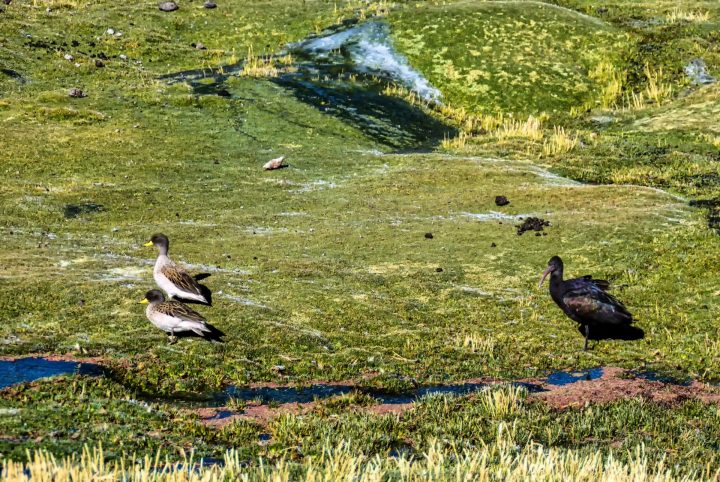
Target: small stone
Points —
{"points": [[278, 368], [68, 57], [168, 6], [199, 46], [429, 235], [77, 93], [210, 4], [276, 163], [99, 63], [439, 270], [110, 31], [501, 201], [122, 57], [493, 245]]}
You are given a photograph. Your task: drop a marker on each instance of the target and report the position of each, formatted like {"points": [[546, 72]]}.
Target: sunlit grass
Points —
{"points": [[500, 461]]}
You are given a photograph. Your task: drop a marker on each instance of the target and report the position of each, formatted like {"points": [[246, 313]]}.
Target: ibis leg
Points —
{"points": [[587, 335]]}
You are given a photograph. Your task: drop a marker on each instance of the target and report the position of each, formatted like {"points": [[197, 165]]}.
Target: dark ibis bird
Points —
{"points": [[586, 301]]}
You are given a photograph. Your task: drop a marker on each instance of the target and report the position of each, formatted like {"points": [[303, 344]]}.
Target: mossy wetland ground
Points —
{"points": [[358, 344]]}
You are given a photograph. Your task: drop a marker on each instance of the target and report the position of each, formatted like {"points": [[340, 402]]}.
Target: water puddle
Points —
{"points": [[31, 369], [563, 378], [344, 71]]}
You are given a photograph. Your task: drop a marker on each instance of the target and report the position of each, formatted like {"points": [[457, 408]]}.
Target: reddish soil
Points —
{"points": [[55, 357], [611, 387]]}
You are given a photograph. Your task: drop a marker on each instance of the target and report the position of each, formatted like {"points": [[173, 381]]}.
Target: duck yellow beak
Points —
{"points": [[148, 244], [144, 301]]}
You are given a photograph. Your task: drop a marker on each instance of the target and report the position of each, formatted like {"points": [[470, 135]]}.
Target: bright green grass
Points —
{"points": [[66, 414], [507, 57], [324, 267]]}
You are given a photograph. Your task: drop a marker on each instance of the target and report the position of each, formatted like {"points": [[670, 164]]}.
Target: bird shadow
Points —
{"points": [[614, 332]]}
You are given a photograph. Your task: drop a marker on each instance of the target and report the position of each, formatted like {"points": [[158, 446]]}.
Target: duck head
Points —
{"points": [[160, 241], [153, 296]]}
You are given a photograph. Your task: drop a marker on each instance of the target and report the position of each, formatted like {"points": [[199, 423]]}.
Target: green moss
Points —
{"points": [[507, 57]]}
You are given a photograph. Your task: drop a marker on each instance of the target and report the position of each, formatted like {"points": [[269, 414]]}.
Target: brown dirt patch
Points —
{"points": [[613, 386]]}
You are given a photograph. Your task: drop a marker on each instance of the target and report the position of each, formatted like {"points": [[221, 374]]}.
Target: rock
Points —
{"points": [[110, 31], [276, 163], [278, 368], [199, 46], [122, 57], [168, 6], [429, 235], [439, 270], [77, 93], [210, 4], [501, 201], [697, 71], [99, 63], [493, 245], [68, 57]]}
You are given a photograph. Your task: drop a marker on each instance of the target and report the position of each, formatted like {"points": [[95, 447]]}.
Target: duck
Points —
{"points": [[173, 279], [178, 319], [586, 301]]}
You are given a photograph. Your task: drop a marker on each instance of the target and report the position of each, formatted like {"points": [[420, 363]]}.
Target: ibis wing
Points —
{"points": [[179, 310], [600, 283], [181, 278], [590, 304]]}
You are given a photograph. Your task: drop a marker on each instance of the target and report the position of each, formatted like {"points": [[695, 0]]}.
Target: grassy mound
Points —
{"points": [[510, 57]]}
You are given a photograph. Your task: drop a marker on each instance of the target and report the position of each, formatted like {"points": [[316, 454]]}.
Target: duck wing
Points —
{"points": [[590, 304], [180, 311], [181, 279]]}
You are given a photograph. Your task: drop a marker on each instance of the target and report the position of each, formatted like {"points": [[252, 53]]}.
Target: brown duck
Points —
{"points": [[177, 319], [173, 279]]}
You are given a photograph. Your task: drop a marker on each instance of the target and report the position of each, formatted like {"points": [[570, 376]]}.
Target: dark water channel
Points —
{"points": [[31, 369]]}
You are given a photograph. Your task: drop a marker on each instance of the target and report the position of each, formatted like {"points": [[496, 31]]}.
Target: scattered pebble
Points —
{"points": [[99, 63], [77, 93], [199, 46], [210, 4], [439, 270], [501, 201], [276, 163], [493, 245], [122, 57], [68, 57], [429, 235], [168, 6], [110, 31], [532, 224], [278, 368]]}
